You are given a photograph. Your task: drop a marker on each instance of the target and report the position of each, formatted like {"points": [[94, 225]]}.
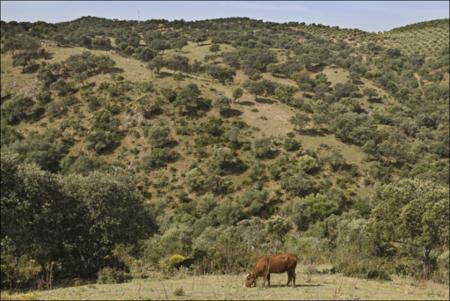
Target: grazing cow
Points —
{"points": [[265, 265]]}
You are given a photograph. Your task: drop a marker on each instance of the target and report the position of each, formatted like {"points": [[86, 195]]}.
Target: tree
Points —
{"points": [[254, 88], [300, 120], [16, 109], [156, 64], [100, 141], [157, 157], [263, 148], [158, 136], [214, 48], [43, 150], [285, 93], [223, 105], [411, 216], [224, 161], [196, 180], [146, 54], [277, 227], [21, 42], [308, 210], [159, 45], [113, 211], [189, 101], [32, 203], [178, 63], [308, 164], [222, 74], [237, 93]]}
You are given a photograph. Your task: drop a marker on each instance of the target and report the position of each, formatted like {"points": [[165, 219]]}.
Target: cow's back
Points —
{"points": [[281, 263]]}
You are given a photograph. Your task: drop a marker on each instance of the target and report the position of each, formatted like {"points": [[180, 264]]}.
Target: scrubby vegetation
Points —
{"points": [[129, 147]]}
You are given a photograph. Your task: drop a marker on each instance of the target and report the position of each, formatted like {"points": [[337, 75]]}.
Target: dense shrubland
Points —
{"points": [[130, 174]]}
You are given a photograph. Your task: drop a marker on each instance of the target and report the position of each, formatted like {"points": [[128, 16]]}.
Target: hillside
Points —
{"points": [[221, 140]]}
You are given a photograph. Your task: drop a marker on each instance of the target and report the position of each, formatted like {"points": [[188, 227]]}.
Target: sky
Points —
{"points": [[366, 15]]}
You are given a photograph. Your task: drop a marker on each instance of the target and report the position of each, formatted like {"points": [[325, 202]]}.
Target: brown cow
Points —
{"points": [[278, 263]]}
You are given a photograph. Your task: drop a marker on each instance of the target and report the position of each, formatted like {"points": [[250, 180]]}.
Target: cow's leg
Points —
{"points": [[289, 278], [293, 278], [268, 279]]}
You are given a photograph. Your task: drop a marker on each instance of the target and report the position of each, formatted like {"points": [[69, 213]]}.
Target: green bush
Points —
{"points": [[8, 134], [157, 158], [290, 144], [109, 275], [44, 97], [100, 141], [17, 272], [16, 109], [308, 164], [364, 269], [308, 210], [224, 161], [44, 150], [158, 136], [442, 273], [264, 148]]}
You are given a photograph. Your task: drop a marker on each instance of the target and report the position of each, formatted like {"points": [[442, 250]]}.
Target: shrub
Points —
{"points": [[179, 292], [109, 275], [263, 148], [214, 48], [176, 259], [8, 134], [298, 184], [441, 274], [223, 105], [308, 164], [237, 93], [311, 209], [196, 180], [224, 161], [291, 144], [44, 150], [158, 136], [16, 109], [17, 272], [81, 164], [169, 94], [157, 158], [222, 74], [100, 141], [367, 268], [44, 97]]}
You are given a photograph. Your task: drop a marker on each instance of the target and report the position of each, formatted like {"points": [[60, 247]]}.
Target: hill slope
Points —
{"points": [[237, 137]]}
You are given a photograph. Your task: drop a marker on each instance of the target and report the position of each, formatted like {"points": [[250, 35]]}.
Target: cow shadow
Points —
{"points": [[296, 286]]}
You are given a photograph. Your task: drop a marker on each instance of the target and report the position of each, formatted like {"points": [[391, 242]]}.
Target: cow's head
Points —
{"points": [[250, 280]]}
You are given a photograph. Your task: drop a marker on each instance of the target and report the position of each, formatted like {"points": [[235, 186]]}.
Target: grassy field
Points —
{"points": [[312, 285]]}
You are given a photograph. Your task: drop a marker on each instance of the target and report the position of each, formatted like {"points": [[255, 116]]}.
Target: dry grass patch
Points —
{"points": [[230, 287]]}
